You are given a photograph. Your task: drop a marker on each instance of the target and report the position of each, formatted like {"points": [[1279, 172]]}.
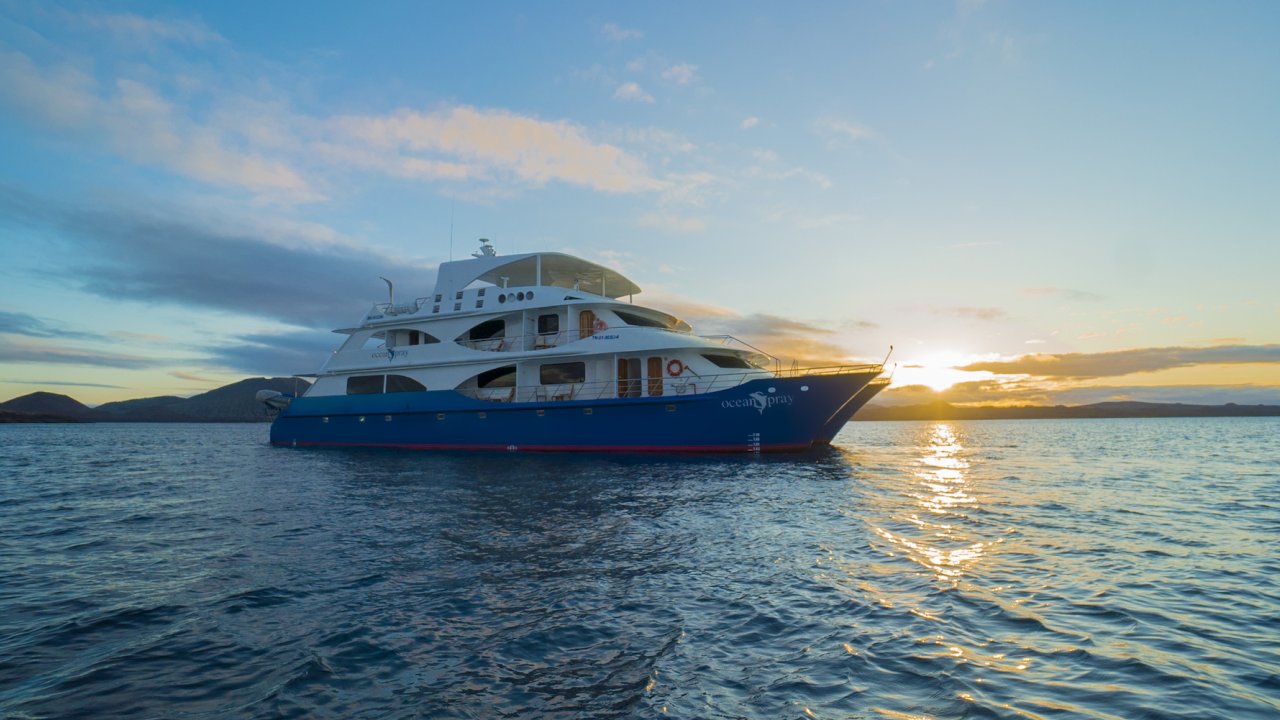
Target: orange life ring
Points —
{"points": [[674, 367]]}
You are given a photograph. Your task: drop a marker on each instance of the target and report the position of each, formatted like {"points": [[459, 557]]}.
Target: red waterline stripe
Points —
{"points": [[765, 447]]}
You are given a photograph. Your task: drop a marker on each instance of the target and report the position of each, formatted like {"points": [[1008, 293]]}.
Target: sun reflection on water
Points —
{"points": [[942, 495]]}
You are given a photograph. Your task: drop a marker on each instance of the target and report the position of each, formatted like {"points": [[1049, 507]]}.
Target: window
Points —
{"points": [[548, 324], [562, 373], [728, 361], [487, 330], [631, 318], [504, 376], [417, 337], [403, 383], [364, 385]]}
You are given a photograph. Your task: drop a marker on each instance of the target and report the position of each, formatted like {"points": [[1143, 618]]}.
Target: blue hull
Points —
{"points": [[776, 414]]}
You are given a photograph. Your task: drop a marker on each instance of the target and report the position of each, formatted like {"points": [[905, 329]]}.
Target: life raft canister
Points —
{"points": [[674, 367]]}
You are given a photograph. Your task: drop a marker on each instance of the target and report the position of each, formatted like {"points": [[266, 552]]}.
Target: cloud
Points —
{"points": [[970, 313], [844, 129], [1124, 362], [177, 255], [202, 126], [143, 32], [632, 91], [681, 73], [1005, 393], [673, 222], [45, 353], [615, 33], [467, 143], [62, 383], [1064, 293], [749, 122], [31, 326], [276, 355], [136, 121]]}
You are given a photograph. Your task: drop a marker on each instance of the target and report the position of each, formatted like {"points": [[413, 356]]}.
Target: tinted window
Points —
{"points": [[638, 320], [364, 385], [487, 329], [562, 373], [498, 377], [548, 324], [401, 383], [728, 361]]}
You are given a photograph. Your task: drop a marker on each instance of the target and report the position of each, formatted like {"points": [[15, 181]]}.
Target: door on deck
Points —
{"points": [[655, 376], [586, 324], [628, 377]]}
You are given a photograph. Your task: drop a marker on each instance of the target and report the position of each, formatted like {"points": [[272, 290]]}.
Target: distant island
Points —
{"points": [[1126, 409], [237, 403], [231, 403]]}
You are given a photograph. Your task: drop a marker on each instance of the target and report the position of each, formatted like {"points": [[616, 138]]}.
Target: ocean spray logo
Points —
{"points": [[390, 354], [760, 401]]}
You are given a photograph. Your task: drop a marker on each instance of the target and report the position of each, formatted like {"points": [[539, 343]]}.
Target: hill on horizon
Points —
{"points": [[236, 402]]}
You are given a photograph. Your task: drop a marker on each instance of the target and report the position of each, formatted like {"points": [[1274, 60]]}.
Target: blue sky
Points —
{"points": [[1034, 202]]}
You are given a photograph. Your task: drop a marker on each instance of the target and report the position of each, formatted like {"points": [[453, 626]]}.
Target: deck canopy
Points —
{"points": [[530, 269]]}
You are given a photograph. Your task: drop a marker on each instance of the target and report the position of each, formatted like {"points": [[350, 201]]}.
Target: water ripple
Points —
{"points": [[1091, 569]]}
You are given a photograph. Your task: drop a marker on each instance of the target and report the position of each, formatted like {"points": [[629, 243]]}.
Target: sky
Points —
{"points": [[1031, 202]]}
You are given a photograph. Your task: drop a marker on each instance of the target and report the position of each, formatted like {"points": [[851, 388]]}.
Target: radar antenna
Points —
{"points": [[486, 250], [391, 291]]}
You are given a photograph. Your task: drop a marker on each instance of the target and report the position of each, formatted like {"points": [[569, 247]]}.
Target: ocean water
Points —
{"points": [[998, 569]]}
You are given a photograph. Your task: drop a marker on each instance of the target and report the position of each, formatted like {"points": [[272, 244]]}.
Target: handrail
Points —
{"points": [[671, 387], [726, 339]]}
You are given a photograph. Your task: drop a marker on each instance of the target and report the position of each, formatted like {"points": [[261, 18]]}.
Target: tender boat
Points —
{"points": [[540, 352]]}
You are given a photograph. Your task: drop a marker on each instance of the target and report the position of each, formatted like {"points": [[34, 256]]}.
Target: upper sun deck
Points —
{"points": [[542, 269], [462, 285]]}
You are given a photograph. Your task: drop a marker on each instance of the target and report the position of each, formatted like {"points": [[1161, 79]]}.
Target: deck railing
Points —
{"points": [[681, 386]]}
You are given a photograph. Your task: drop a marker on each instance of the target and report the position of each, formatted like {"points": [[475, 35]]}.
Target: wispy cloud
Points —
{"points": [[681, 73], [749, 122], [1125, 362], [246, 137], [462, 143], [275, 355], [1006, 393], [616, 33], [844, 129], [138, 122], [31, 326], [49, 353], [971, 313], [673, 222], [1064, 293], [144, 32], [178, 255], [633, 92], [61, 383]]}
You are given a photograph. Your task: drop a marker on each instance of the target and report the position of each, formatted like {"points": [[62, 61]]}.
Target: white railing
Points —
{"points": [[680, 386]]}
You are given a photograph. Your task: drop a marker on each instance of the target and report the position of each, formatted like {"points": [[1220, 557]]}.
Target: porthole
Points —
{"points": [[530, 295], [586, 411], [520, 295], [439, 416], [671, 408], [324, 420], [481, 415], [386, 418], [542, 413], [502, 298], [361, 418]]}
